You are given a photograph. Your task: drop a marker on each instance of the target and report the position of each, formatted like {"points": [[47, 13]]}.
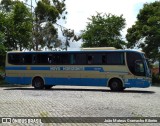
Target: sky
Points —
{"points": [[80, 10]]}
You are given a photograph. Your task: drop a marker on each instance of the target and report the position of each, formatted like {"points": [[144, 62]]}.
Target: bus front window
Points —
{"points": [[139, 68], [136, 64], [148, 70]]}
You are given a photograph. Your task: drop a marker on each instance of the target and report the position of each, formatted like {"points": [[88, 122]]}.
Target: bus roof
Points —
{"points": [[117, 50], [98, 48]]}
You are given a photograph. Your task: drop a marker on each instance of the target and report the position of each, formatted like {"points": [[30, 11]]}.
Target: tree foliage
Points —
{"points": [[69, 36], [15, 23], [22, 25], [145, 33], [33, 27], [46, 14], [2, 50], [104, 31], [50, 36]]}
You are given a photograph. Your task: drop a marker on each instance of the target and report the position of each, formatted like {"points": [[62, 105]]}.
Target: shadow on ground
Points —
{"points": [[79, 89]]}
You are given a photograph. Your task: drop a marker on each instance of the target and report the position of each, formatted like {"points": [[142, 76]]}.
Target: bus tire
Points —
{"points": [[116, 85], [48, 86], [38, 83]]}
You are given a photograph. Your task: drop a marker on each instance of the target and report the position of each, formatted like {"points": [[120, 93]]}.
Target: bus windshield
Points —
{"points": [[137, 64], [148, 70]]}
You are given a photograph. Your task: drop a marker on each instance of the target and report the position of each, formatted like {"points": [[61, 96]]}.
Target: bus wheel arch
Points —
{"points": [[38, 82], [116, 84]]}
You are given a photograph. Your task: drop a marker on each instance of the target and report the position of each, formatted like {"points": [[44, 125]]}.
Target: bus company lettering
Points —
{"points": [[73, 68], [55, 68], [67, 68]]}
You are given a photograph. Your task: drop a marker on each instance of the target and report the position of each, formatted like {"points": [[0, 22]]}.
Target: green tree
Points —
{"points": [[2, 49], [46, 14], [104, 31], [145, 33], [16, 25], [33, 28], [6, 5], [50, 36], [69, 36], [22, 25]]}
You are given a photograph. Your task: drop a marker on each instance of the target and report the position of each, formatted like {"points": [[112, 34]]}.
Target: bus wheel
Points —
{"points": [[48, 86], [116, 85], [38, 83]]}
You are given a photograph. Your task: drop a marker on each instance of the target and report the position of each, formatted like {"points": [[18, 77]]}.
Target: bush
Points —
{"points": [[156, 79], [2, 55], [2, 76], [2, 73]]}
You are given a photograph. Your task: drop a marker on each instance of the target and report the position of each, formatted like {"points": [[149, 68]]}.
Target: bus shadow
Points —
{"points": [[80, 89]]}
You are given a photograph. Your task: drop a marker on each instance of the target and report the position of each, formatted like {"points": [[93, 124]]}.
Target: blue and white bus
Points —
{"points": [[117, 69]]}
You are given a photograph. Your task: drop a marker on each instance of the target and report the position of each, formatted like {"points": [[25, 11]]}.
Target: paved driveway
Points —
{"points": [[68, 101]]}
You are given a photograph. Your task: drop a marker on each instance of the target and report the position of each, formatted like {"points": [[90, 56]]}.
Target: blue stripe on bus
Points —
{"points": [[16, 68], [60, 81], [26, 68], [100, 69], [77, 81], [141, 83], [18, 80], [40, 68]]}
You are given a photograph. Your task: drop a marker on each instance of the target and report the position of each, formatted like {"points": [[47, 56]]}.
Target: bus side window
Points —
{"points": [[34, 59], [103, 59], [11, 58], [115, 58], [80, 59], [90, 59], [14, 59], [28, 59], [72, 59], [22, 60], [50, 60], [56, 59], [64, 59]]}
